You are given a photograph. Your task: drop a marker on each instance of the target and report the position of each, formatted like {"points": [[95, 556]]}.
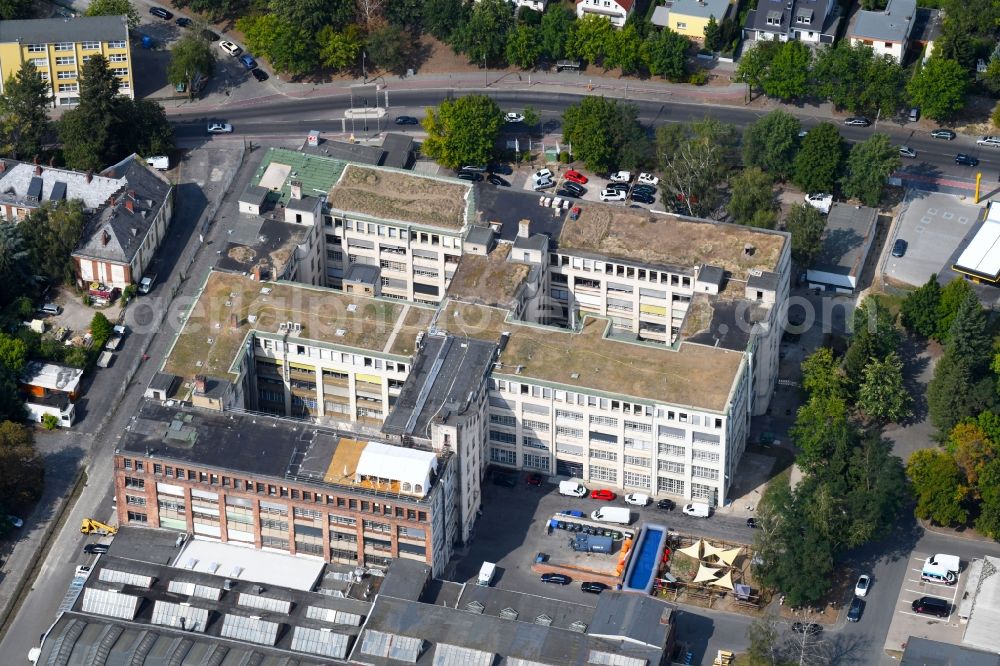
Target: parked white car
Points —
{"points": [[543, 183], [861, 587], [637, 499], [648, 179], [621, 177], [821, 202], [512, 117], [230, 48], [992, 141], [82, 571], [613, 195], [542, 174]]}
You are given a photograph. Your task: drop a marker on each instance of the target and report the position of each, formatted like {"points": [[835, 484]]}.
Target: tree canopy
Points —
{"points": [[462, 131], [694, 158], [190, 55], [115, 8], [869, 165], [604, 133], [806, 225], [817, 164], [771, 143], [939, 88], [24, 106]]}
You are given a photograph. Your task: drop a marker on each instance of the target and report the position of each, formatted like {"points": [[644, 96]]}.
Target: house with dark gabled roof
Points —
{"points": [[809, 21], [122, 235]]}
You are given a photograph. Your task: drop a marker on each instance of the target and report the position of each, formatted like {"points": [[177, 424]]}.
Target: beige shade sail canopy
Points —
{"points": [[710, 551], [694, 550], [706, 574], [725, 581], [729, 556]]}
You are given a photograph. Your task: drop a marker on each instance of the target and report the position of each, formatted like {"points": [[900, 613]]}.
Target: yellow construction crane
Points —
{"points": [[91, 526]]}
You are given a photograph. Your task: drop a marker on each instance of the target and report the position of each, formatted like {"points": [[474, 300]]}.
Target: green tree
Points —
{"points": [[955, 393], [13, 354], [558, 22], [822, 376], [24, 119], [15, 264], [918, 312], [23, 477], [115, 8], [624, 49], [806, 225], [340, 50], [51, 233], [309, 16], [462, 131], [603, 133], [937, 483], [765, 644], [752, 191], [869, 165], [100, 327], [405, 14], [817, 164], [486, 32], [190, 56], [591, 38], [939, 88], [665, 52], [969, 338], [882, 395], [694, 158], [288, 45], [146, 129], [523, 46], [821, 427], [15, 9], [988, 521], [787, 76], [88, 132], [875, 337], [442, 18], [771, 143], [854, 78], [389, 47], [754, 65], [952, 296], [713, 35]]}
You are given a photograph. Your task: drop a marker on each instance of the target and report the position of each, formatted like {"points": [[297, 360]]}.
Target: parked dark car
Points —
{"points": [[563, 192], [470, 175], [810, 629], [534, 479], [558, 579], [494, 179], [593, 587], [504, 169], [931, 606], [752, 523], [622, 187], [161, 13], [406, 120], [504, 480], [579, 190], [966, 160], [645, 189], [96, 548], [258, 74], [856, 609], [640, 197], [665, 504], [184, 22], [899, 248]]}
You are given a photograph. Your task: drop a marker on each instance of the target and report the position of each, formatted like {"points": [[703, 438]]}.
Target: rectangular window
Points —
{"points": [[503, 456], [638, 427], [532, 443], [136, 517], [603, 474], [533, 461], [499, 419], [636, 480], [705, 473], [64, 46], [671, 450], [670, 466], [708, 456], [569, 432], [672, 486], [503, 437], [39, 62], [597, 454], [131, 482], [117, 57], [63, 75], [604, 420], [36, 48], [120, 71], [569, 416], [90, 46], [116, 45], [536, 425], [637, 460], [66, 60]]}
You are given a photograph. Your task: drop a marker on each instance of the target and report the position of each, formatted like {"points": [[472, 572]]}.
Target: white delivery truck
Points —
{"points": [[697, 509], [572, 488], [486, 574], [612, 514], [941, 569]]}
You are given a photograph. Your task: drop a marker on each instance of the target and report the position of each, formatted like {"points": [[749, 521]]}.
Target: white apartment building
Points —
{"points": [[616, 11]]}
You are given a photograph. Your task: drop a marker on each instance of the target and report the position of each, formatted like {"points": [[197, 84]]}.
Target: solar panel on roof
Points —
{"points": [[250, 629], [264, 603], [126, 578], [110, 603], [320, 641], [195, 590], [333, 616], [180, 616], [453, 655]]}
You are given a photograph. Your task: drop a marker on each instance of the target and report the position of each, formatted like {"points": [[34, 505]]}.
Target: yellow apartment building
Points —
{"points": [[58, 47]]}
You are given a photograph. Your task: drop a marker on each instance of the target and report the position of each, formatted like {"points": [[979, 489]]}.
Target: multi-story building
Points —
{"points": [[616, 11], [58, 47], [810, 21], [888, 31], [286, 486]]}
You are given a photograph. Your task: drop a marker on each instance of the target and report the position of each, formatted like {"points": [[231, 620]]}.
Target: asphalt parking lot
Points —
{"points": [[906, 623], [595, 184], [933, 225]]}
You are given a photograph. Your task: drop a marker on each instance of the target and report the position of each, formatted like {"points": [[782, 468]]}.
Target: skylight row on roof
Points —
{"points": [[180, 616], [110, 603], [126, 578], [250, 629], [264, 603], [323, 642]]}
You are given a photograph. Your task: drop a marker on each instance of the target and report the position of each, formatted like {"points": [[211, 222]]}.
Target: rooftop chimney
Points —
{"points": [[36, 159], [105, 237], [129, 205], [199, 384], [524, 228], [296, 189], [90, 175], [38, 170]]}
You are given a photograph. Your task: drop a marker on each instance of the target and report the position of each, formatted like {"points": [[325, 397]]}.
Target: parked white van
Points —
{"points": [[572, 488], [941, 569]]}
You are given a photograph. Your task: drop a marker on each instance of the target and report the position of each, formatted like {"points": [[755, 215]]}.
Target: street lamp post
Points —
{"points": [[364, 69]]}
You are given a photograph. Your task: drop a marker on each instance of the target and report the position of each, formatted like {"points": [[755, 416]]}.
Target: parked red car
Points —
{"points": [[534, 479], [576, 177], [606, 495]]}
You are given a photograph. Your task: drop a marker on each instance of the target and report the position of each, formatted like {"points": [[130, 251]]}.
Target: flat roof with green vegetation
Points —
{"points": [[316, 173], [667, 240], [693, 375], [490, 279], [230, 306], [393, 195]]}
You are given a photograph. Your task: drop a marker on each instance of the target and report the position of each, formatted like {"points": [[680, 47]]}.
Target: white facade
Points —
{"points": [[616, 11], [895, 50]]}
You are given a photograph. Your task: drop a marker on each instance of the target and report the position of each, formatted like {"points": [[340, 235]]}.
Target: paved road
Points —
{"points": [[935, 157]]}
